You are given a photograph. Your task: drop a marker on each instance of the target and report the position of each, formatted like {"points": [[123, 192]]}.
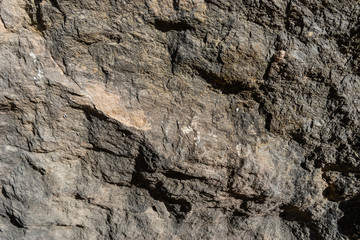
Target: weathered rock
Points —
{"points": [[198, 119]]}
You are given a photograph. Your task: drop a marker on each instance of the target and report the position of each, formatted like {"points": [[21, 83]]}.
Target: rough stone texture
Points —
{"points": [[196, 119]]}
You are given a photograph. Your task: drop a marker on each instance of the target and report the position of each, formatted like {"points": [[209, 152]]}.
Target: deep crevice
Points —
{"points": [[36, 15], [349, 224], [293, 213], [267, 70], [180, 176], [268, 119], [100, 149], [91, 112], [56, 5], [3, 191], [287, 15], [257, 199], [220, 83], [146, 160], [239, 213], [15, 221], [173, 60], [177, 206], [176, 4], [341, 167], [34, 167], [166, 26], [298, 137], [7, 107], [145, 163], [79, 197]]}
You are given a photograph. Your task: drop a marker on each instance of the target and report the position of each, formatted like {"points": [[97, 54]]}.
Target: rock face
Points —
{"points": [[183, 119]]}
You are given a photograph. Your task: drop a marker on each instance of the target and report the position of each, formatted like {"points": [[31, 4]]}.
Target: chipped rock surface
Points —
{"points": [[184, 119]]}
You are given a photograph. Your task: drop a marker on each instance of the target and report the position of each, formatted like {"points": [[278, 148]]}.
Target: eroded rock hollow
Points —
{"points": [[183, 119]]}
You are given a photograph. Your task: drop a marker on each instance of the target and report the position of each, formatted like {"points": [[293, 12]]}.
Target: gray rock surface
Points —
{"points": [[196, 119]]}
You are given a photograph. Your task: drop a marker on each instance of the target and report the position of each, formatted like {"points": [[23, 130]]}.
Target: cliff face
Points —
{"points": [[196, 119]]}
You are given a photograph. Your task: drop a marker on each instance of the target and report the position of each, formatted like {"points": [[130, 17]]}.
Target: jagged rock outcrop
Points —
{"points": [[196, 119]]}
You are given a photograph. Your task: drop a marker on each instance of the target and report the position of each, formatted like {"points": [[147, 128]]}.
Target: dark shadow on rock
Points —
{"points": [[349, 224], [145, 164]]}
